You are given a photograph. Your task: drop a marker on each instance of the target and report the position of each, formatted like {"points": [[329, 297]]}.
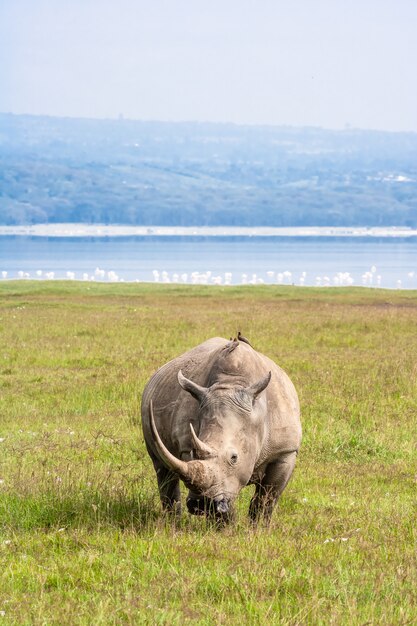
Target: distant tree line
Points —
{"points": [[104, 171]]}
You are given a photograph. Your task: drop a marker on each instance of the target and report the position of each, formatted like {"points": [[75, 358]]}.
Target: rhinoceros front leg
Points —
{"points": [[271, 486], [169, 490]]}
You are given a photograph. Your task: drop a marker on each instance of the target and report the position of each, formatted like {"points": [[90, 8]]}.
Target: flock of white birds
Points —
{"points": [[370, 278]]}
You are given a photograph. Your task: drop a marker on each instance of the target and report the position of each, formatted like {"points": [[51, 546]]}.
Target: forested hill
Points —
{"points": [[152, 173]]}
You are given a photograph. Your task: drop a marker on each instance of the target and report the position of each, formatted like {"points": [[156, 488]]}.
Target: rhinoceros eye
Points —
{"points": [[233, 458]]}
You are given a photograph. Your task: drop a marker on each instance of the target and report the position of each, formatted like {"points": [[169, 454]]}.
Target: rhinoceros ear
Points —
{"points": [[199, 393], [257, 388]]}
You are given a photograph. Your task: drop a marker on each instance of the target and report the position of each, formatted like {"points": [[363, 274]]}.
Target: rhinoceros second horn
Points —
{"points": [[204, 449]]}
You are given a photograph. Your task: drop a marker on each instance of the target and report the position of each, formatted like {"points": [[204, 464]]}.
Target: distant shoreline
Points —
{"points": [[119, 230]]}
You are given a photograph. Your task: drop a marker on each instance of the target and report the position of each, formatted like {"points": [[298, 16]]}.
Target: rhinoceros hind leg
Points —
{"points": [[273, 483], [169, 490]]}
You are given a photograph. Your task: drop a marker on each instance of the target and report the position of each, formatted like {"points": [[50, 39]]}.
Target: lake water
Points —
{"points": [[386, 262]]}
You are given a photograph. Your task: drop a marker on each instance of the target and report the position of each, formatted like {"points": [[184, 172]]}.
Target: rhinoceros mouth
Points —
{"points": [[218, 508], [197, 506]]}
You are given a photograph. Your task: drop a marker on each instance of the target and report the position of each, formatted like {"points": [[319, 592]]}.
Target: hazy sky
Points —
{"points": [[300, 62]]}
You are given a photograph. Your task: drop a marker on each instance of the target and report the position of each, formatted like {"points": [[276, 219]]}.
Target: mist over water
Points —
{"points": [[306, 261]]}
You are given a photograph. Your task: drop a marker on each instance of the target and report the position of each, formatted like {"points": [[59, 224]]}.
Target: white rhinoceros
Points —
{"points": [[220, 417]]}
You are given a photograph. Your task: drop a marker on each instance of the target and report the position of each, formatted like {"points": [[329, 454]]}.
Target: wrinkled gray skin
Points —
{"points": [[245, 428]]}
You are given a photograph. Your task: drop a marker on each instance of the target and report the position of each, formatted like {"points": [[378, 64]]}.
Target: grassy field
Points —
{"points": [[82, 538]]}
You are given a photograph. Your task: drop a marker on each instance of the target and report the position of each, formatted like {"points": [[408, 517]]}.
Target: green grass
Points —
{"points": [[82, 538]]}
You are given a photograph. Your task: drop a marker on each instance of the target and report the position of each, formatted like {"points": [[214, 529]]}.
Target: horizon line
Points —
{"points": [[121, 118]]}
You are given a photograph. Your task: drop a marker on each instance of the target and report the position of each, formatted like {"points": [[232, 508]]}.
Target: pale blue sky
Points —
{"points": [[299, 62]]}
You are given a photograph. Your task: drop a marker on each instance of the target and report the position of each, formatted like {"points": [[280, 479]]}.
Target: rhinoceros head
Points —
{"points": [[230, 424]]}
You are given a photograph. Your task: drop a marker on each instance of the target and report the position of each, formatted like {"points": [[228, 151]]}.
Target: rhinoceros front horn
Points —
{"points": [[168, 458], [192, 471]]}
